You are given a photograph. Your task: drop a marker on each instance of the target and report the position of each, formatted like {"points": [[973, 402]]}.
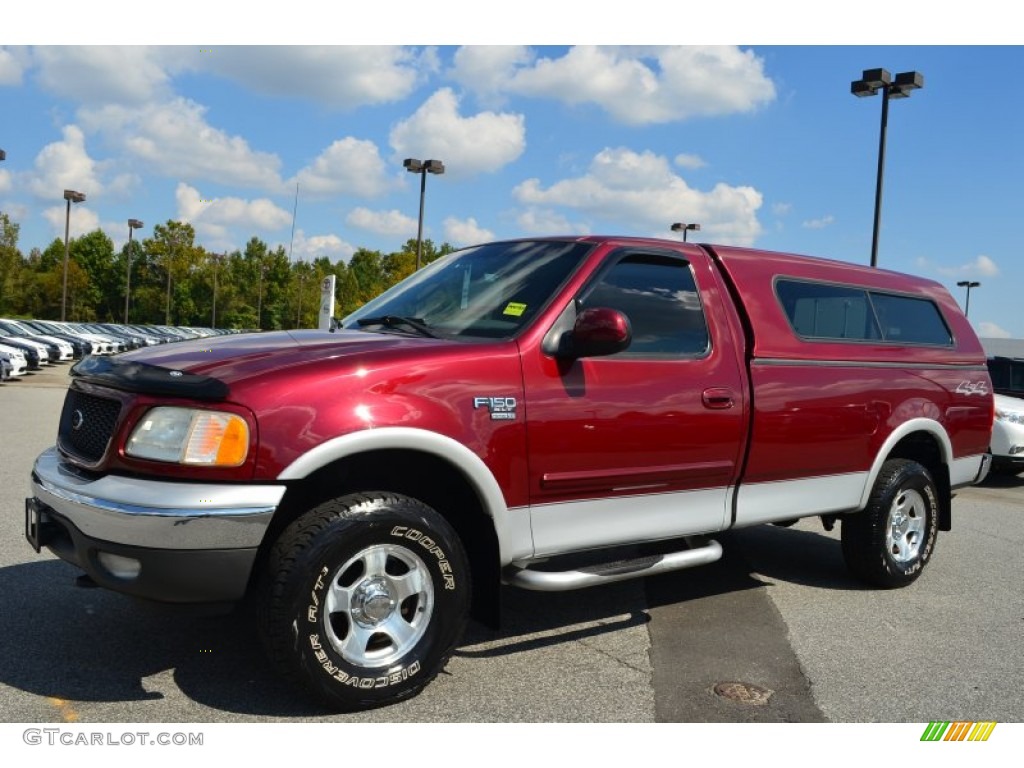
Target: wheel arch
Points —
{"points": [[926, 442], [434, 468]]}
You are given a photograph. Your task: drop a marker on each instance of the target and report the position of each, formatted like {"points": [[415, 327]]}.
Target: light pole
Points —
{"points": [[422, 167], [72, 197], [684, 228], [216, 258], [133, 224], [259, 300], [968, 284], [873, 81]]}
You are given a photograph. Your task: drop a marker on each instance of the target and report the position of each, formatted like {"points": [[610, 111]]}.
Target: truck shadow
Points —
{"points": [[1003, 480], [69, 644]]}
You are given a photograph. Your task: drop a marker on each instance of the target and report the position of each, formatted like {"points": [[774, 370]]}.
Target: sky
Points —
{"points": [[302, 144]]}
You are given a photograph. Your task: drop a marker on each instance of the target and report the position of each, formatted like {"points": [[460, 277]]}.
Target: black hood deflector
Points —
{"points": [[133, 376]]}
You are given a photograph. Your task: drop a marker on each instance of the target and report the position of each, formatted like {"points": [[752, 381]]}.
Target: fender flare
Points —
{"points": [[929, 426], [515, 537]]}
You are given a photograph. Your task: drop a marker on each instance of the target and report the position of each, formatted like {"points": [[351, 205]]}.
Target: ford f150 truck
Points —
{"points": [[550, 414]]}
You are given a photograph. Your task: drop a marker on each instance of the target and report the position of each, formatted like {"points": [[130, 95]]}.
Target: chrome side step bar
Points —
{"points": [[707, 551]]}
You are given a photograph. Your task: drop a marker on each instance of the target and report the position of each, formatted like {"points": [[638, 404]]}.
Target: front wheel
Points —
{"points": [[364, 599], [890, 541]]}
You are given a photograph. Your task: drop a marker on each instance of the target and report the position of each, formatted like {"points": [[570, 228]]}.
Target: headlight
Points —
{"points": [[1014, 417], [190, 436]]}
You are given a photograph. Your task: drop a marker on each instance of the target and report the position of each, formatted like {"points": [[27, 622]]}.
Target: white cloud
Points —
{"points": [[82, 220], [331, 246], [344, 76], [981, 266], [5, 181], [782, 209], [348, 166], [690, 162], [10, 68], [383, 222], [102, 73], [821, 223], [65, 165], [993, 331], [487, 70], [657, 84], [542, 221], [640, 191], [213, 217], [482, 143], [465, 231], [175, 139]]}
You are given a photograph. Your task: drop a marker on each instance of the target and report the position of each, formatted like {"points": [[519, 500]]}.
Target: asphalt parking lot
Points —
{"points": [[778, 612]]}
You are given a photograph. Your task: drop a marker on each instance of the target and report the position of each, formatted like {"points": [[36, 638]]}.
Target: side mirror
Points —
{"points": [[598, 331]]}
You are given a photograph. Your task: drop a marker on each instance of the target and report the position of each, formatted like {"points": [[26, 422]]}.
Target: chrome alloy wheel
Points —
{"points": [[378, 605], [904, 531]]}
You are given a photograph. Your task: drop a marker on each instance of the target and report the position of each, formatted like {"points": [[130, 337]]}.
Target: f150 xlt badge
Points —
{"points": [[501, 408]]}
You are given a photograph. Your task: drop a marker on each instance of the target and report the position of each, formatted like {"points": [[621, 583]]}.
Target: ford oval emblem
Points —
{"points": [[177, 373], [77, 420]]}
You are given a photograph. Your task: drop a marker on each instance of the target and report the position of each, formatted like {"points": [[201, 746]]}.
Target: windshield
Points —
{"points": [[489, 291]]}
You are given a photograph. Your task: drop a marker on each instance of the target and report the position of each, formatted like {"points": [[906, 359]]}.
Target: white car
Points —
{"points": [[16, 359], [1008, 435]]}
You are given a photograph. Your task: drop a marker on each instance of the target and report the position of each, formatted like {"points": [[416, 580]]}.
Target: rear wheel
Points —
{"points": [[364, 599], [890, 542]]}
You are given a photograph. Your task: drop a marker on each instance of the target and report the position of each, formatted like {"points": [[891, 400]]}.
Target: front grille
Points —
{"points": [[87, 424]]}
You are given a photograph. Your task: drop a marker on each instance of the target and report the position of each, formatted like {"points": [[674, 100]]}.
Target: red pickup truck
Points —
{"points": [[551, 414]]}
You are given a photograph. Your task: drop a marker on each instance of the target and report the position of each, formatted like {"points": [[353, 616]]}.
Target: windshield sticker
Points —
{"points": [[501, 408], [514, 309]]}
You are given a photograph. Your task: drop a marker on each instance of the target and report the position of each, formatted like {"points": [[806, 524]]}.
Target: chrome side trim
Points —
{"points": [[864, 364], [153, 513], [512, 526]]}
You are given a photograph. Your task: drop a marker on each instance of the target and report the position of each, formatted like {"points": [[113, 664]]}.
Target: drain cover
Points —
{"points": [[744, 693]]}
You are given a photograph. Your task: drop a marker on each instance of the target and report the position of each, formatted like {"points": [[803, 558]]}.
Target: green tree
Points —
{"points": [[173, 252], [103, 289], [10, 257]]}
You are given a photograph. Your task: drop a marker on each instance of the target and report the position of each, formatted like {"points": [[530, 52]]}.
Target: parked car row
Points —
{"points": [[29, 345]]}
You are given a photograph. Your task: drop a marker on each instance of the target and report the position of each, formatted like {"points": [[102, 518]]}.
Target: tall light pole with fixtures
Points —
{"points": [[684, 228], [968, 284], [259, 299], [873, 81], [72, 197], [217, 259], [133, 224], [422, 167]]}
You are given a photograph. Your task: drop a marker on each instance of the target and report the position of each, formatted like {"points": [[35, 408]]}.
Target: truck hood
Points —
{"points": [[206, 368]]}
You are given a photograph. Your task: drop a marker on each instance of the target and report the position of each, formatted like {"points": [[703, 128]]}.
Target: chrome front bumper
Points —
{"points": [[153, 513], [173, 542]]}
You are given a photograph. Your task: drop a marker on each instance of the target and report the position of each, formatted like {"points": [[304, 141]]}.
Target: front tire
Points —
{"points": [[889, 543], [364, 599]]}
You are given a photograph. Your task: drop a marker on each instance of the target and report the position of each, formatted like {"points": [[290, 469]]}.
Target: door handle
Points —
{"points": [[717, 398]]}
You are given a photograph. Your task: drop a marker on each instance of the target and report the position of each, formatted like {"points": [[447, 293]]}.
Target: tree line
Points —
{"points": [[174, 281]]}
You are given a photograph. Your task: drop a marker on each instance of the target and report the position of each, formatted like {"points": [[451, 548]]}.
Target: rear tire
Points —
{"points": [[364, 599], [889, 542]]}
